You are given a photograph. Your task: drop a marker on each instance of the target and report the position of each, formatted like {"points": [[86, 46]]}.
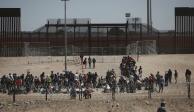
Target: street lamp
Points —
{"points": [[149, 16], [127, 15], [65, 34]]}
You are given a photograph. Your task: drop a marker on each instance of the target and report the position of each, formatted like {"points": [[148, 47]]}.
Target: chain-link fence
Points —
{"points": [[35, 53]]}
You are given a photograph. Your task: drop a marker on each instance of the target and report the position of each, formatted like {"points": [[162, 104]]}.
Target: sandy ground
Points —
{"points": [[175, 95]]}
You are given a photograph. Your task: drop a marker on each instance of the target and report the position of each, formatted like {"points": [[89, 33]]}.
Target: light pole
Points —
{"points": [[127, 15], [65, 33], [149, 16]]}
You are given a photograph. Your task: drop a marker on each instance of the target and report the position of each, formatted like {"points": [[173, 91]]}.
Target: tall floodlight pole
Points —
{"points": [[127, 15], [65, 32], [149, 16]]}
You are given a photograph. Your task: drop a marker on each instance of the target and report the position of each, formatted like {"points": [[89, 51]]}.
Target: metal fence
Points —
{"points": [[37, 53], [45, 49]]}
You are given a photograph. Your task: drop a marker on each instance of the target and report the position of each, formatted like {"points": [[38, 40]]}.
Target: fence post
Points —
{"points": [[113, 95], [80, 86], [189, 89], [114, 89], [14, 91], [149, 92], [80, 92], [137, 50], [46, 91], [102, 49]]}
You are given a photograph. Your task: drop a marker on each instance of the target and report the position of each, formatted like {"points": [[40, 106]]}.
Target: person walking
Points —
{"points": [[166, 78], [161, 84], [170, 76], [188, 75], [94, 62], [140, 72], [89, 61], [85, 62], [157, 78], [82, 59], [175, 76]]}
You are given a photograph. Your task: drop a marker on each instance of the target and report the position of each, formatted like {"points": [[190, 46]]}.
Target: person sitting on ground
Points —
{"points": [[73, 92], [162, 107], [87, 93]]}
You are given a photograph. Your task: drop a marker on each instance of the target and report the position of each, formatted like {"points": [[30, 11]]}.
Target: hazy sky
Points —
{"points": [[36, 12]]}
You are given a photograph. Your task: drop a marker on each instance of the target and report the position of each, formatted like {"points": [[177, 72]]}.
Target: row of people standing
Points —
{"points": [[167, 79], [54, 82], [89, 61], [160, 80]]}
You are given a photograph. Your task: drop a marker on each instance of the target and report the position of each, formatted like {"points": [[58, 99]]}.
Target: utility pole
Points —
{"points": [[149, 16], [189, 89], [14, 90], [65, 32]]}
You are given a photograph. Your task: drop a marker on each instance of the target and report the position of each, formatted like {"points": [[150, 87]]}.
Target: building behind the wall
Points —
{"points": [[90, 37]]}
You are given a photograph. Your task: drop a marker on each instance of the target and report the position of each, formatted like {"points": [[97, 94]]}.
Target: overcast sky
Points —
{"points": [[36, 12]]}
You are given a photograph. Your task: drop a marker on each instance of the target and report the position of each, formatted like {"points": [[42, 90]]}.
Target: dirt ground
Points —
{"points": [[175, 95]]}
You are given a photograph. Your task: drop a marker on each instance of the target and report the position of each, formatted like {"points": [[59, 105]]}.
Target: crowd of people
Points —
{"points": [[131, 77], [129, 81], [54, 82]]}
